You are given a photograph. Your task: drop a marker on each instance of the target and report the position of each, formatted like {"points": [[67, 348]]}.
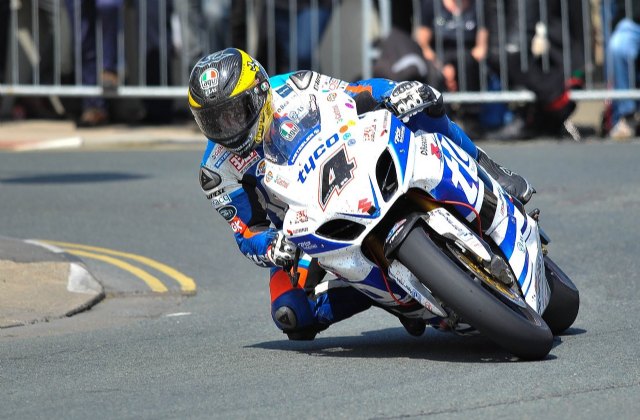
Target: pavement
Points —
{"points": [[39, 282]]}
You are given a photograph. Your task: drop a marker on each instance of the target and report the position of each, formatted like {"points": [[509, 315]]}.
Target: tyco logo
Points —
{"points": [[310, 166]]}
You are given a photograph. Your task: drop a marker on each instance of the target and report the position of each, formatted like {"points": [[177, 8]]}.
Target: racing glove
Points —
{"points": [[282, 251], [409, 98]]}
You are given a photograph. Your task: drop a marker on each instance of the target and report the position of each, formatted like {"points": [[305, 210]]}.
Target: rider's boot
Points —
{"points": [[513, 184], [414, 327]]}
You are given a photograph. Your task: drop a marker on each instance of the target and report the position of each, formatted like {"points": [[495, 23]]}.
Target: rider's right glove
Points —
{"points": [[409, 96], [282, 251]]}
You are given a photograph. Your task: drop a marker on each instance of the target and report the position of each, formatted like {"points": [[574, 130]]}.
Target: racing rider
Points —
{"points": [[233, 101]]}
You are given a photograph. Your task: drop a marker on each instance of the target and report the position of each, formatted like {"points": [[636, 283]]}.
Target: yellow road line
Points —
{"points": [[187, 284], [153, 283]]}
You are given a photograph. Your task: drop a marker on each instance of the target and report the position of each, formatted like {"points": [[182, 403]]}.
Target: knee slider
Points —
{"points": [[291, 311]]}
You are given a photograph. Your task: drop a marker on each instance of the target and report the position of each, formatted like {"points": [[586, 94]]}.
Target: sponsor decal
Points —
{"points": [[366, 206], [284, 90], [288, 130], [217, 192], [435, 150], [209, 80], [268, 177], [424, 147], [297, 231], [333, 84], [217, 151], [307, 245], [310, 165], [222, 159], [261, 168], [237, 225], [346, 136], [332, 97], [336, 113], [399, 135], [303, 143], [395, 230], [349, 105], [301, 217], [369, 133], [280, 109], [281, 181], [228, 212], [221, 200], [242, 164], [316, 83]]}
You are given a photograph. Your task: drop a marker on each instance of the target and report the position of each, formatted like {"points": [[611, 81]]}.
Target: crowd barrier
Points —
{"points": [[157, 41]]}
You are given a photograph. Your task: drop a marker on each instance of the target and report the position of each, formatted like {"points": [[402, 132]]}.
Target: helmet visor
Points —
{"points": [[232, 117]]}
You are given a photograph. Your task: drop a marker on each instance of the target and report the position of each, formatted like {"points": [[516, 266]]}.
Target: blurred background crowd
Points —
{"points": [[128, 61]]}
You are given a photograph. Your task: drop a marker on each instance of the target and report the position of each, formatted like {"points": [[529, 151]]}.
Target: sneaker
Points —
{"points": [[414, 327], [513, 184], [622, 130]]}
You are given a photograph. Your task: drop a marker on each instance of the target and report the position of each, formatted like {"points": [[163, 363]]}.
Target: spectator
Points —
{"points": [[622, 54], [94, 109], [4, 37], [449, 20], [217, 16], [552, 107], [310, 23]]}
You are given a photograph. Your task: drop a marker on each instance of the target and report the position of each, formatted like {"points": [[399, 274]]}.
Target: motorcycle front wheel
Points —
{"points": [[519, 330], [564, 303]]}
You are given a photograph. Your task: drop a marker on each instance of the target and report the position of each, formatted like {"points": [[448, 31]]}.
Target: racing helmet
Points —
{"points": [[230, 98]]}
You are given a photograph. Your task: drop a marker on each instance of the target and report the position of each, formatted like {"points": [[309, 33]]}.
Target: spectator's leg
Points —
{"points": [[622, 54], [95, 108], [4, 39], [283, 39], [109, 13], [308, 41]]}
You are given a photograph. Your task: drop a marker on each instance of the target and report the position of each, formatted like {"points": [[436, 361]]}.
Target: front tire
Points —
{"points": [[564, 303], [519, 330]]}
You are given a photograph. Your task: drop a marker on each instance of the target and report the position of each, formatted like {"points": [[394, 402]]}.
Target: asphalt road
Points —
{"points": [[145, 355]]}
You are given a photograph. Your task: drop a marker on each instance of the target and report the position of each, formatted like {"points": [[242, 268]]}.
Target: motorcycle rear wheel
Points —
{"points": [[521, 331], [564, 303]]}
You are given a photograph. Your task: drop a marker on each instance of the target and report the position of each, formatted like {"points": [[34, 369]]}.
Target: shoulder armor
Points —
{"points": [[209, 179], [302, 79]]}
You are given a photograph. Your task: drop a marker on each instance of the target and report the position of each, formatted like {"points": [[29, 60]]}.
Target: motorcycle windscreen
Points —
{"points": [[292, 130]]}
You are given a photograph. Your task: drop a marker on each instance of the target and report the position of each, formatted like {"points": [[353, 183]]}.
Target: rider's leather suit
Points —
{"points": [[236, 189]]}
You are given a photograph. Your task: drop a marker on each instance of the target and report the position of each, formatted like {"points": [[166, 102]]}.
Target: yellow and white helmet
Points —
{"points": [[230, 98]]}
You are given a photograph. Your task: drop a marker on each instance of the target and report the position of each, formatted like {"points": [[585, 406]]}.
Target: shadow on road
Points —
{"points": [[73, 178], [395, 343]]}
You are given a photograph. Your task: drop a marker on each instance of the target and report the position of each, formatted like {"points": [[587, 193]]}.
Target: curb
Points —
{"points": [[40, 282]]}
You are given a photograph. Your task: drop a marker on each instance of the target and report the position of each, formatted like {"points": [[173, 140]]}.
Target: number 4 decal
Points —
{"points": [[335, 174]]}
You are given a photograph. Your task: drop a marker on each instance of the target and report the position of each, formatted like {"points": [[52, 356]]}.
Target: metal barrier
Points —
{"points": [[42, 53]]}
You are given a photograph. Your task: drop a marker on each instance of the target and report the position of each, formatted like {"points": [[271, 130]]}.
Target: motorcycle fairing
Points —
{"points": [[343, 156]]}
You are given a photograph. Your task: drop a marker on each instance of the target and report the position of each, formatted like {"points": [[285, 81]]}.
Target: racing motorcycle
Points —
{"points": [[410, 220]]}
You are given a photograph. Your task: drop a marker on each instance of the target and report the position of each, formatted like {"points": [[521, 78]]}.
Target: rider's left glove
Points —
{"points": [[409, 98], [282, 251]]}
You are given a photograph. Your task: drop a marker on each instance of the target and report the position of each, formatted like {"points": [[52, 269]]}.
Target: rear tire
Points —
{"points": [[564, 303], [521, 331]]}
